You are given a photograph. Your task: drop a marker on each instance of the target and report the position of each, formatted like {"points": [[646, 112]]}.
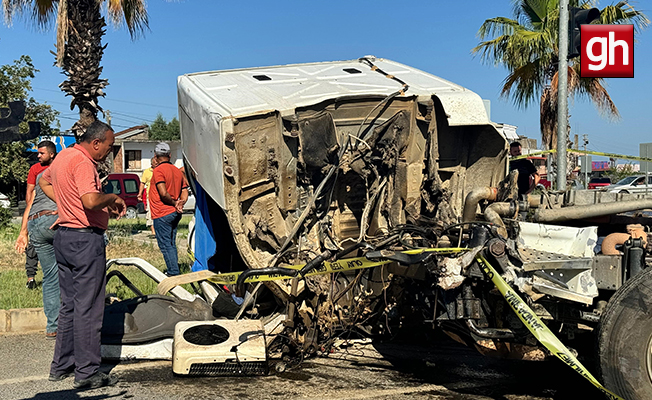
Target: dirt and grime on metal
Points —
{"points": [[440, 369]]}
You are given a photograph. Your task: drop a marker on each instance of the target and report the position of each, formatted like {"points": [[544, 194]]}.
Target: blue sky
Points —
{"points": [[435, 36]]}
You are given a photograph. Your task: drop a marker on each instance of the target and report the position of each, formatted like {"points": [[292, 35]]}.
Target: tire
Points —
{"points": [[131, 213], [625, 339], [623, 191]]}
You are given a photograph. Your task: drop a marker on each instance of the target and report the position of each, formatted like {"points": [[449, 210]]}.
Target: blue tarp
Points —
{"points": [[205, 244]]}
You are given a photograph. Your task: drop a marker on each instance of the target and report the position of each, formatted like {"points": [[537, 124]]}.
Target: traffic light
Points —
{"points": [[577, 17]]}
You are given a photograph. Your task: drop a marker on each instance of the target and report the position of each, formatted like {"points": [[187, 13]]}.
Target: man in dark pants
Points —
{"points": [[168, 192], [80, 252], [528, 178]]}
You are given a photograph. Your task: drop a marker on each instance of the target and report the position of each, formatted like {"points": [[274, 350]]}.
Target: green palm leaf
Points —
{"points": [[527, 45], [80, 27]]}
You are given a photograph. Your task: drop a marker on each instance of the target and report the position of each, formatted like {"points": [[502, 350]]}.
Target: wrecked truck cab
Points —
{"points": [[260, 141], [370, 196]]}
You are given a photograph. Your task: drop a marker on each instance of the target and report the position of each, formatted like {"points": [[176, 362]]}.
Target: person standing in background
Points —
{"points": [[143, 191], [167, 195], [528, 178], [40, 214], [45, 152]]}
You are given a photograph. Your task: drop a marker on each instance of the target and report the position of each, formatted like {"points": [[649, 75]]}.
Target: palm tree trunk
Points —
{"points": [[81, 61], [81, 65]]}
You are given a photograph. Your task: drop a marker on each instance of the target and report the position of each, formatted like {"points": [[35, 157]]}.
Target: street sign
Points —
{"points": [[587, 165], [645, 150]]}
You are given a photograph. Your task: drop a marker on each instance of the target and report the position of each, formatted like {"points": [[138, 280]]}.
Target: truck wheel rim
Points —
{"points": [[648, 358]]}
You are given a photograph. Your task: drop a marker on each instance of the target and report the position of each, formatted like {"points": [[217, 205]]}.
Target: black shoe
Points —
{"points": [[99, 379], [61, 376], [31, 284]]}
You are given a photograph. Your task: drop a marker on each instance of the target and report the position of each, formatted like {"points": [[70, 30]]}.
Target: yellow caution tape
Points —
{"points": [[346, 264], [525, 313], [595, 153], [538, 328]]}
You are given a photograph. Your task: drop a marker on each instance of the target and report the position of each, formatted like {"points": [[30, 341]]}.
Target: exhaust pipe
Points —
{"points": [[610, 242], [589, 211], [473, 198], [495, 211]]}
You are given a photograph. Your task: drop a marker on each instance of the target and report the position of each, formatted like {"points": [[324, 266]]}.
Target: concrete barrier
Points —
{"points": [[22, 320]]}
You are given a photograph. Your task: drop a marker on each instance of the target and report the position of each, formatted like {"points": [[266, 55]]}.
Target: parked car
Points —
{"points": [[4, 201], [630, 184], [126, 186], [599, 182], [545, 182]]}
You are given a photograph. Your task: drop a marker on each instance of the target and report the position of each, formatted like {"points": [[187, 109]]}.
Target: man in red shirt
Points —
{"points": [[45, 151], [167, 195], [73, 181]]}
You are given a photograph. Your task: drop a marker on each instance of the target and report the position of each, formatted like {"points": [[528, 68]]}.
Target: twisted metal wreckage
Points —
{"points": [[402, 177]]}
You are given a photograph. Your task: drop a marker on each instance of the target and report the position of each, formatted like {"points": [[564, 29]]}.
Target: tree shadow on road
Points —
{"points": [[463, 370], [73, 394]]}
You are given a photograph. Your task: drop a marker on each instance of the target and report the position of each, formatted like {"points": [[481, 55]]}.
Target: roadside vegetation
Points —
{"points": [[122, 243]]}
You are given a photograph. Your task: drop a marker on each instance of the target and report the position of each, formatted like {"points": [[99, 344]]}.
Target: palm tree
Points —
{"points": [[527, 46], [80, 27]]}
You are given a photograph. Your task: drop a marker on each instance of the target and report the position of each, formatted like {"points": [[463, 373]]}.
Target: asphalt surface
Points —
{"points": [[441, 370]]}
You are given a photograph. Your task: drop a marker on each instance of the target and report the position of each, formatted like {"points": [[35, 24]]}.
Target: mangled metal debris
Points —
{"points": [[303, 171]]}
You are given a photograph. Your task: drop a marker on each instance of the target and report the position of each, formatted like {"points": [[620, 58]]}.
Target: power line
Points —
{"points": [[75, 119], [134, 117], [128, 121], [116, 100]]}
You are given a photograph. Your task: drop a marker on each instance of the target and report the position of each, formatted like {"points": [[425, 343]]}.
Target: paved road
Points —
{"points": [[380, 371]]}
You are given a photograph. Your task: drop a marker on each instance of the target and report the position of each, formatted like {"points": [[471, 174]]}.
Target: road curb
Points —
{"points": [[22, 320]]}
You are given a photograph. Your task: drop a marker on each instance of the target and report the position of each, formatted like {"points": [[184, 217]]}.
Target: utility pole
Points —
{"points": [[562, 95], [107, 115], [575, 145], [585, 137]]}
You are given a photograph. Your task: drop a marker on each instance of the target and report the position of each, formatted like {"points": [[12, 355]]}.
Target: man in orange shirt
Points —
{"points": [[79, 246], [167, 195]]}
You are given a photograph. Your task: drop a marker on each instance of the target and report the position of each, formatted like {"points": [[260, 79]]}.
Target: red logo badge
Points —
{"points": [[607, 51]]}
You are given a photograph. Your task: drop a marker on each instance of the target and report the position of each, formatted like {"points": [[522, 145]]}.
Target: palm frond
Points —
{"points": [[530, 11], [131, 13], [11, 8], [498, 26], [593, 89], [44, 12], [523, 84], [516, 50], [624, 13]]}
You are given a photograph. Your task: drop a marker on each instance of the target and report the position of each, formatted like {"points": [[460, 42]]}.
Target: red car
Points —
{"points": [[596, 183], [126, 186], [545, 182]]}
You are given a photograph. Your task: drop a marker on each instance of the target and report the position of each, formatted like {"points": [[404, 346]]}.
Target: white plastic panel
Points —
{"points": [[574, 242], [284, 88]]}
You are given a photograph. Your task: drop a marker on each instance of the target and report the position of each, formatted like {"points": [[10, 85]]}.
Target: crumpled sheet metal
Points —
{"points": [[451, 271]]}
